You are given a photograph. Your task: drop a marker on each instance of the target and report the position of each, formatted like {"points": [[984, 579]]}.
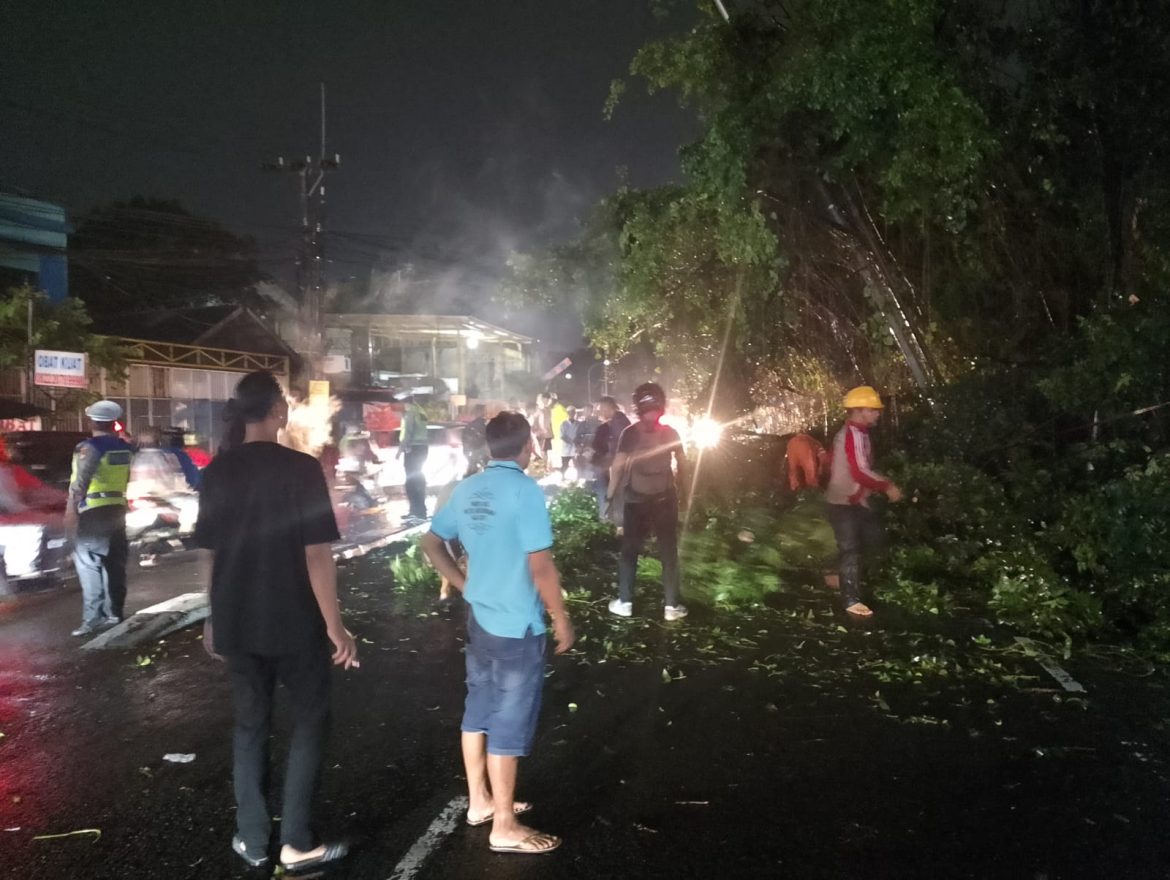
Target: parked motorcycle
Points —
{"points": [[157, 524]]}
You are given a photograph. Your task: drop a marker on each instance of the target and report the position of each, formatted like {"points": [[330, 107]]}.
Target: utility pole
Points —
{"points": [[310, 262]]}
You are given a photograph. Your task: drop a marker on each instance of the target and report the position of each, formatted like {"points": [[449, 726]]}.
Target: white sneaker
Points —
{"points": [[675, 612], [620, 608]]}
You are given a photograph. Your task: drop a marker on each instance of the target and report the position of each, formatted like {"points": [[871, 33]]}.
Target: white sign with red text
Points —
{"points": [[59, 369]]}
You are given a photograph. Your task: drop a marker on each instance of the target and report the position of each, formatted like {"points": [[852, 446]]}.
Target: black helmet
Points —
{"points": [[649, 396]]}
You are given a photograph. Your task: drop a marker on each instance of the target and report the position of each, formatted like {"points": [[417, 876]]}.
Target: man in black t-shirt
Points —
{"points": [[475, 448], [605, 446], [642, 480], [266, 517]]}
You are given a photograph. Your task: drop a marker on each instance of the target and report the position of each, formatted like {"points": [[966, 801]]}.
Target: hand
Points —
{"points": [[344, 649], [71, 521], [563, 634], [894, 493], [398, 454]]}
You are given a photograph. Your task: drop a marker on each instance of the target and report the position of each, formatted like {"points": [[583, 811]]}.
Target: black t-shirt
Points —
{"points": [[261, 504], [605, 440], [475, 438]]}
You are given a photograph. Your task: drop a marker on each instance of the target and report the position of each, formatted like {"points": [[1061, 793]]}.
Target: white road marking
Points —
{"points": [[1053, 668], [445, 823]]}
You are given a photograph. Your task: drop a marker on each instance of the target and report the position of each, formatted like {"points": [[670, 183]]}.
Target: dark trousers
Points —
{"points": [[100, 551], [858, 533], [600, 490], [639, 520], [307, 678], [416, 484]]}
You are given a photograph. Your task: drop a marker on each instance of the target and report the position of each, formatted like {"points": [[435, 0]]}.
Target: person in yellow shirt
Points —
{"points": [[557, 416], [413, 446]]}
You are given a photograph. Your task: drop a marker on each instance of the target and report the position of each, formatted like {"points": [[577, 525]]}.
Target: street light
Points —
{"points": [[604, 380]]}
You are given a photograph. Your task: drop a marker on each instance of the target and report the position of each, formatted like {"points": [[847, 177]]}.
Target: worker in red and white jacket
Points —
{"points": [[852, 480]]}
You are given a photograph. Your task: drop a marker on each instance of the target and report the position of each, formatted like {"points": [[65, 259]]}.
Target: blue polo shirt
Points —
{"points": [[500, 517]]}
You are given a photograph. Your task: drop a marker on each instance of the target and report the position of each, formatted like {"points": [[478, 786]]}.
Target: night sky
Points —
{"points": [[466, 127]]}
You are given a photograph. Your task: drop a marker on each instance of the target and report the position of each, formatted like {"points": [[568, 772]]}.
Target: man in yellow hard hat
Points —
{"points": [[852, 480]]}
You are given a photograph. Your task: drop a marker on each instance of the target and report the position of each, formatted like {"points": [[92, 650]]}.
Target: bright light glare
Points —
{"points": [[706, 432], [472, 341]]}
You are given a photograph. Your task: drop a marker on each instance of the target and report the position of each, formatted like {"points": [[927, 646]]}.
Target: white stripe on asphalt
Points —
{"points": [[445, 823], [1051, 666]]}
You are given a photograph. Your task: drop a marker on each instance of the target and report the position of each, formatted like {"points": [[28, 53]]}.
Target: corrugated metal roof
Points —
{"points": [[427, 326]]}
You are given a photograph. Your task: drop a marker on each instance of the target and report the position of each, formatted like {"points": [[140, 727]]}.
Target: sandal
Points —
{"points": [[859, 609], [537, 844], [334, 852], [519, 808], [241, 849]]}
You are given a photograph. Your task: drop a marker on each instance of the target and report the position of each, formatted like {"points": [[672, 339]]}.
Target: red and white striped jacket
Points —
{"points": [[852, 478]]}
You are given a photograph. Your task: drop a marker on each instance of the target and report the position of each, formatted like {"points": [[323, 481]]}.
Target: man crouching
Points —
{"points": [[500, 517]]}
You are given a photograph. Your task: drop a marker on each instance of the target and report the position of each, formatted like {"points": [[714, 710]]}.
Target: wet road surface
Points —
{"points": [[776, 744]]}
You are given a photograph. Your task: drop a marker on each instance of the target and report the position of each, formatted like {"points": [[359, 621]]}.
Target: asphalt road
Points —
{"points": [[776, 744]]}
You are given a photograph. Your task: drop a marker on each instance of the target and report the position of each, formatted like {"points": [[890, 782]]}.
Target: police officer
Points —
{"points": [[96, 518]]}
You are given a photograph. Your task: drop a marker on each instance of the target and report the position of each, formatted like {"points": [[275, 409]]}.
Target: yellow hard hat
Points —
{"points": [[863, 397]]}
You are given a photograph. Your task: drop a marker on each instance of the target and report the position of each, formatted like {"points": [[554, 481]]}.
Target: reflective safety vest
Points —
{"points": [[414, 426], [107, 487]]}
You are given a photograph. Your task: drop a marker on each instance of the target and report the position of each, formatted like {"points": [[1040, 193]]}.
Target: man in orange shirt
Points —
{"points": [[808, 462]]}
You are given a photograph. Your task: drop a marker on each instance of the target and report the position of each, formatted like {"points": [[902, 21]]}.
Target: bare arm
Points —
{"points": [[548, 585], [617, 473], [436, 550], [323, 578]]}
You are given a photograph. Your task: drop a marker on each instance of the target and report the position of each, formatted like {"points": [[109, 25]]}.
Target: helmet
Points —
{"points": [[863, 397], [104, 411], [649, 396]]}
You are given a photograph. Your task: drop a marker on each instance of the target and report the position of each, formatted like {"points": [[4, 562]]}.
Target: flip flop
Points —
{"points": [[519, 808], [334, 852], [241, 849], [528, 846]]}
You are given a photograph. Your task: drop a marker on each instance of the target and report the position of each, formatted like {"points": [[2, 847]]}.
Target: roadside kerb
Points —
{"points": [[159, 621]]}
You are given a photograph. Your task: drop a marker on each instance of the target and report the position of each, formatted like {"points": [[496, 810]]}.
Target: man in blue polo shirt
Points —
{"points": [[500, 518]]}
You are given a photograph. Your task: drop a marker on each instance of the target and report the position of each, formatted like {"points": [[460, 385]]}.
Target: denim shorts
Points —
{"points": [[505, 678]]}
